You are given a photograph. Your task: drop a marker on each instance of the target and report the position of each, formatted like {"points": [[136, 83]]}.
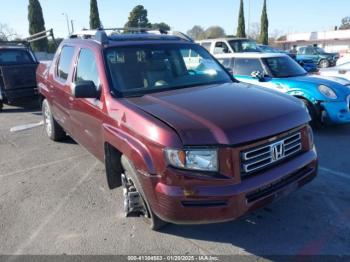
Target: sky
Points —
{"points": [[285, 16]]}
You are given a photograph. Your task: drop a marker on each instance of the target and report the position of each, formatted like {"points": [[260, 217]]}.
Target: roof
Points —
{"points": [[256, 55], [100, 36], [14, 44], [222, 39]]}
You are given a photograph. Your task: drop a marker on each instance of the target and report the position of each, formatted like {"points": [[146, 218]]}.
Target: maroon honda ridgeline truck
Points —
{"points": [[186, 141]]}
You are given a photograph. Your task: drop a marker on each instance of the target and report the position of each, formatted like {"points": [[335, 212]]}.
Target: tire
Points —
{"points": [[150, 218], [324, 63], [53, 130], [313, 112], [1, 105]]}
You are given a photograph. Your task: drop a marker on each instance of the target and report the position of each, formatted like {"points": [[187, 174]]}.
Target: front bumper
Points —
{"points": [[336, 112], [219, 203]]}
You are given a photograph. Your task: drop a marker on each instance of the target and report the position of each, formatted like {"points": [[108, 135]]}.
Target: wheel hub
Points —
{"points": [[47, 116], [133, 202]]}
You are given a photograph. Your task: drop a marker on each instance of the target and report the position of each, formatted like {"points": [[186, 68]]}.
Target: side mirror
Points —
{"points": [[257, 75], [85, 89]]}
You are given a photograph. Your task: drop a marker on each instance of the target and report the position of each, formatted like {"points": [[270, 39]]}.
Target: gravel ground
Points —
{"points": [[54, 200]]}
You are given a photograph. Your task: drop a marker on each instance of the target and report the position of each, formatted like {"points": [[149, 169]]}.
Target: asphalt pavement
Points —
{"points": [[54, 200]]}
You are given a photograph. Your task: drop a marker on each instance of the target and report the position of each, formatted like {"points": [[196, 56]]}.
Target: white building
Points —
{"points": [[331, 41]]}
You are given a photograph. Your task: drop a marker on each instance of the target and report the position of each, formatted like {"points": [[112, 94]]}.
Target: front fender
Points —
{"points": [[132, 148], [304, 94]]}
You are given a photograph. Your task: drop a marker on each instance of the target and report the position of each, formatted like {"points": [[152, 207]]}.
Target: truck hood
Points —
{"points": [[226, 114]]}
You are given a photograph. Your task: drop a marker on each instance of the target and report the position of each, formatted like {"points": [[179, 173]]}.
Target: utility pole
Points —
{"points": [[67, 21], [248, 18], [72, 24]]}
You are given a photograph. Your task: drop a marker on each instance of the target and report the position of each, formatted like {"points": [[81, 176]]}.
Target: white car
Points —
{"points": [[342, 71], [228, 46]]}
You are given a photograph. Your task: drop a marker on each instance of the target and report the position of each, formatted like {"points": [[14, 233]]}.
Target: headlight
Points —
{"points": [[195, 159], [327, 91], [310, 136]]}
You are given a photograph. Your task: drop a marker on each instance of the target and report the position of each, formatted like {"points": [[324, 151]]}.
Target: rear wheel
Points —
{"points": [[135, 203], [1, 105], [53, 130], [315, 118], [324, 63]]}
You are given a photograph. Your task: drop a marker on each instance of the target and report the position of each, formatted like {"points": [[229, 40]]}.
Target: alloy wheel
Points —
{"points": [[47, 120]]}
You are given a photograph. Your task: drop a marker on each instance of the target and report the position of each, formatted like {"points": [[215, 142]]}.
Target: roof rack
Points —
{"points": [[41, 35], [26, 41], [101, 36]]}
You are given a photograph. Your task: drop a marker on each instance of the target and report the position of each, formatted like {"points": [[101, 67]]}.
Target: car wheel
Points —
{"points": [[1, 105], [53, 130], [324, 63], [315, 119], [135, 203]]}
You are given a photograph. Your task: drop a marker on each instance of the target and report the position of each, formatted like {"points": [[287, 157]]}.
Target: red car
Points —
{"points": [[185, 140]]}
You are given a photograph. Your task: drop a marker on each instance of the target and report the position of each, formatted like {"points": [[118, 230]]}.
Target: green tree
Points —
{"points": [[214, 32], [196, 32], [345, 23], [264, 32], [37, 24], [53, 45], [138, 18], [161, 26], [241, 21], [95, 21]]}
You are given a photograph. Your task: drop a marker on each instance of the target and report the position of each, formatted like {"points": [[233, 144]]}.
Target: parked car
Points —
{"points": [[17, 72], [229, 45], [188, 144], [307, 64], [342, 71], [327, 101], [317, 55]]}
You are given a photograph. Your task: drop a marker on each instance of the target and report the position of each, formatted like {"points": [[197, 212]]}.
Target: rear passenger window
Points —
{"points": [[65, 62], [87, 67], [246, 66]]}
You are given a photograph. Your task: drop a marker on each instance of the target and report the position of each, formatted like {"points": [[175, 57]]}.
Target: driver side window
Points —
{"points": [[221, 48], [87, 67], [246, 66], [309, 51]]}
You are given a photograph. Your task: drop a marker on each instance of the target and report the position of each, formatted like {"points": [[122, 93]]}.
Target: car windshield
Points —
{"points": [[267, 49], [284, 66], [142, 69], [241, 46], [320, 50], [13, 56]]}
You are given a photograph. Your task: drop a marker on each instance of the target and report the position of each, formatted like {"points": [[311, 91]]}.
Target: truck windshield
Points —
{"points": [[142, 69], [13, 56], [241, 46], [284, 66]]}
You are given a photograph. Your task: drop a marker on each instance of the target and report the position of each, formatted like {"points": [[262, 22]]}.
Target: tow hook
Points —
{"points": [[133, 202]]}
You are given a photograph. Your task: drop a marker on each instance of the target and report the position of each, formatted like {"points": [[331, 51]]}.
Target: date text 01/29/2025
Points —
{"points": [[172, 258]]}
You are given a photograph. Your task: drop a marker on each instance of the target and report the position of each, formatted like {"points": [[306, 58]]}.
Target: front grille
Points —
{"points": [[256, 159]]}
